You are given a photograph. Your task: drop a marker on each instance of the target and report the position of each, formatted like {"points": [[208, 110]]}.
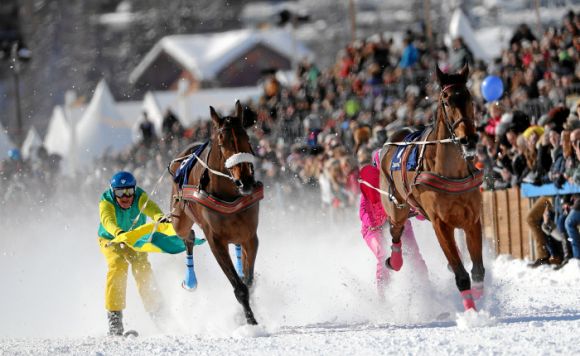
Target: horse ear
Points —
{"points": [[215, 117], [239, 109], [249, 117], [440, 74], [464, 72]]}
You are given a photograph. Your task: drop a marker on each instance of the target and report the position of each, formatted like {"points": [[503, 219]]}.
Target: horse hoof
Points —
{"points": [[394, 268], [477, 290], [188, 288]]}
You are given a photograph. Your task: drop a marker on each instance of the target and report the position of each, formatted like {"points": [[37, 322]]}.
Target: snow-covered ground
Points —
{"points": [[314, 295]]}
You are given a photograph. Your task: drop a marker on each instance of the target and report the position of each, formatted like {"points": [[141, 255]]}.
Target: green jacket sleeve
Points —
{"points": [[152, 209], [108, 218]]}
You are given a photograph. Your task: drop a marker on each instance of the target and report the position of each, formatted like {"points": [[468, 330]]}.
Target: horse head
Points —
{"points": [[457, 110], [237, 157]]}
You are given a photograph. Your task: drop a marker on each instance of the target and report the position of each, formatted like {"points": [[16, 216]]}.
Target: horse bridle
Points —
{"points": [[238, 157], [451, 126]]}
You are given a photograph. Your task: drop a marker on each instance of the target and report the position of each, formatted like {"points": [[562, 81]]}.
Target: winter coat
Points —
{"points": [[371, 210], [114, 220]]}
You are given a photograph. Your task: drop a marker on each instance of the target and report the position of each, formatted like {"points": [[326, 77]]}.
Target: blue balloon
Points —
{"points": [[492, 88]]}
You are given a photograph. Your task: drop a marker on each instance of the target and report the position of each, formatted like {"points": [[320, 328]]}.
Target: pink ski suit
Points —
{"points": [[373, 217]]}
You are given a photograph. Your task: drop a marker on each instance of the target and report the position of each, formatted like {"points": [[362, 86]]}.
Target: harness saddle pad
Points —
{"points": [[413, 156], [182, 173]]}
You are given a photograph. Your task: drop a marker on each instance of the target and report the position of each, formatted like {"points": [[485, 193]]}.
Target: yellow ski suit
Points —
{"points": [[114, 221]]}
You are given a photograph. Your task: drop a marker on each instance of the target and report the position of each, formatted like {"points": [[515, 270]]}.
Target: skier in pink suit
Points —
{"points": [[373, 217]]}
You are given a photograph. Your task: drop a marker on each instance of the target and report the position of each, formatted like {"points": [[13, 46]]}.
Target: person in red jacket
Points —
{"points": [[495, 113]]}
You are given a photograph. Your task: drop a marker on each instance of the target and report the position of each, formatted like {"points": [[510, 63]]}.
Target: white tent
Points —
{"points": [[5, 143], [31, 143], [223, 100], [155, 103], [132, 112], [459, 26], [197, 103], [101, 128], [57, 138]]}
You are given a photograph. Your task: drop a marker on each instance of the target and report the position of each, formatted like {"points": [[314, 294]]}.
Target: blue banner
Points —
{"points": [[531, 191]]}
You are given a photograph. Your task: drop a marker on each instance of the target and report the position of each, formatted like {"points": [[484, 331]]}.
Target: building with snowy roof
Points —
{"points": [[227, 59]]}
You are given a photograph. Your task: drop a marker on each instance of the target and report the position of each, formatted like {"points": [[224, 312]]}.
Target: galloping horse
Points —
{"points": [[221, 196], [444, 187]]}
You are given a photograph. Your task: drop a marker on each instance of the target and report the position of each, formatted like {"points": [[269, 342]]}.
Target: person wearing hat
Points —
{"points": [[123, 207], [573, 175]]}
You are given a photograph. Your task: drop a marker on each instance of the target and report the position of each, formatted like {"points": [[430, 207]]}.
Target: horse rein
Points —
{"points": [[450, 127], [236, 158]]}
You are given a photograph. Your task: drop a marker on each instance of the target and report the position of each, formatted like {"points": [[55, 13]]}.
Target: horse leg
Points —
{"points": [[239, 263], [250, 253], [395, 262], [446, 240], [221, 253], [182, 225], [190, 281], [474, 246]]}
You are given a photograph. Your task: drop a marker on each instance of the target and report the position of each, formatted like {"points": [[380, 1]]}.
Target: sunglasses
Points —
{"points": [[124, 192]]}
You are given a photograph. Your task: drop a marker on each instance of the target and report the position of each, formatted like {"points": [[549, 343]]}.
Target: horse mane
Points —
{"points": [[400, 134]]}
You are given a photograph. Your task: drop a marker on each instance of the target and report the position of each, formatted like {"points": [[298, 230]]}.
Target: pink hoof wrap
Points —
{"points": [[477, 290], [395, 262], [468, 302]]}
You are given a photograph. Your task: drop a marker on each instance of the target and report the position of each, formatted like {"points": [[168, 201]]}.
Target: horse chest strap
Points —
{"points": [[193, 194], [450, 185]]}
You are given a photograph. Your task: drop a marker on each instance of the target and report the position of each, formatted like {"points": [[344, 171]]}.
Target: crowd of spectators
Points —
{"points": [[314, 132]]}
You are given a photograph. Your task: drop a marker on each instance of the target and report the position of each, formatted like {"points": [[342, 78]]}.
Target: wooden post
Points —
{"points": [[538, 21], [428, 26], [352, 13]]}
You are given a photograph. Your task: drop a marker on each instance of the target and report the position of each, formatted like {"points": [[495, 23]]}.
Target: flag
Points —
{"points": [[154, 237]]}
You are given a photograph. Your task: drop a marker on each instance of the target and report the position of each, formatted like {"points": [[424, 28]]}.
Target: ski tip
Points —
{"points": [[443, 316], [188, 288], [131, 333]]}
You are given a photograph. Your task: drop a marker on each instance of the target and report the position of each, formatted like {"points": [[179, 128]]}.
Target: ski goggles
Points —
{"points": [[124, 192]]}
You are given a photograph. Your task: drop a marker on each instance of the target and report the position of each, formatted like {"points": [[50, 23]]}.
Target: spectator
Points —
{"points": [[410, 55], [573, 219], [544, 247], [460, 55], [147, 130]]}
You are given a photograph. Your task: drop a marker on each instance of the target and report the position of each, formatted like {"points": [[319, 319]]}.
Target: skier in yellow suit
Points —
{"points": [[120, 211]]}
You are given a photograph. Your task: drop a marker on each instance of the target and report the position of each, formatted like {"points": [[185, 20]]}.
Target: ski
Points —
{"points": [[131, 333]]}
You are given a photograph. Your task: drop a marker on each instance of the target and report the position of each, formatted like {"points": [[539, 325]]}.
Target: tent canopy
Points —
{"points": [[102, 127]]}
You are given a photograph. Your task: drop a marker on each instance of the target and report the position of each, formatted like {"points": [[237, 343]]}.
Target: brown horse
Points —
{"points": [[219, 198], [445, 185]]}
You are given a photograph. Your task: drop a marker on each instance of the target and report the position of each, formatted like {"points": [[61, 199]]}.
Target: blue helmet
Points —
{"points": [[123, 179], [14, 154]]}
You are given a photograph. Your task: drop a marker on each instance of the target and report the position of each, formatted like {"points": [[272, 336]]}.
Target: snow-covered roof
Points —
{"points": [[102, 127], [31, 143], [262, 11], [205, 55]]}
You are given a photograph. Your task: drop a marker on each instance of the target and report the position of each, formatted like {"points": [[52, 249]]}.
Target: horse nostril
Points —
{"points": [[239, 183]]}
